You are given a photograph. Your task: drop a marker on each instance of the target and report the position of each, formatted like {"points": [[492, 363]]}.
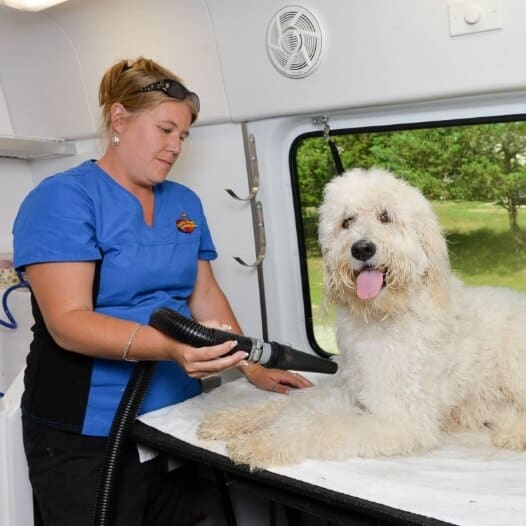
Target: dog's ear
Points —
{"points": [[438, 274]]}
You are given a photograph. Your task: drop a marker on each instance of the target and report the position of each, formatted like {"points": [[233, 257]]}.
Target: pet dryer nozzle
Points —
{"points": [[268, 354], [285, 357]]}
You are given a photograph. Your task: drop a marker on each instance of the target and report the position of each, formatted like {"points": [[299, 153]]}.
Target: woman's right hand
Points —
{"points": [[199, 362]]}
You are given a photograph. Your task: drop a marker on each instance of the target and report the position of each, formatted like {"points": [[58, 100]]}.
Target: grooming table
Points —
{"points": [[460, 484]]}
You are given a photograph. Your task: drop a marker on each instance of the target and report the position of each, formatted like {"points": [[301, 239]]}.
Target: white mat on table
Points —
{"points": [[466, 482]]}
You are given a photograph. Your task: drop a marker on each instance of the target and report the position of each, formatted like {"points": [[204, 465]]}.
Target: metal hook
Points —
{"points": [[261, 242], [250, 196]]}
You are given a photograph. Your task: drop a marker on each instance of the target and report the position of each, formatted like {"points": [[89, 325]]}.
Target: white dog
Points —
{"points": [[420, 353]]}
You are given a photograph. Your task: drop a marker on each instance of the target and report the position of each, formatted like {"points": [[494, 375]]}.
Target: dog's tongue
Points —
{"points": [[369, 283]]}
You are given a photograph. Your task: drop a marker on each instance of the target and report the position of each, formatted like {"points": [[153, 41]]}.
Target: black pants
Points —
{"points": [[64, 471]]}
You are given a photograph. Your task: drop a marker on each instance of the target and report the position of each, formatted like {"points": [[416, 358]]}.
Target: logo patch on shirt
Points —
{"points": [[185, 224]]}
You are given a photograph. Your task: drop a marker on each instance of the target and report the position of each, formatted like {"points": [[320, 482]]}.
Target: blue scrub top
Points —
{"points": [[83, 214]]}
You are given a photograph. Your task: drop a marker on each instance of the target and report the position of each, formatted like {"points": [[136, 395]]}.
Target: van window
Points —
{"points": [[474, 174]]}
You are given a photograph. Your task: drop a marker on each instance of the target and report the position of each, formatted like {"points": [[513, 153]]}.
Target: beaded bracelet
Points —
{"points": [[129, 344]]}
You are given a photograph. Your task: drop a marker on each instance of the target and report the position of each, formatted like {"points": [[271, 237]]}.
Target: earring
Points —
{"points": [[115, 139]]}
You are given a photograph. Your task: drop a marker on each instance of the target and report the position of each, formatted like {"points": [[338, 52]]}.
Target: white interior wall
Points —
{"points": [[40, 77], [51, 62], [5, 121], [374, 52], [176, 33], [15, 182]]}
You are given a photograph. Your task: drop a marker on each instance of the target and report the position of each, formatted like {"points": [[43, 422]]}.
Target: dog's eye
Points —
{"points": [[347, 222], [384, 217]]}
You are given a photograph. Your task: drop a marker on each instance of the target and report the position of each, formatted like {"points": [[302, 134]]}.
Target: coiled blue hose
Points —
{"points": [[11, 324]]}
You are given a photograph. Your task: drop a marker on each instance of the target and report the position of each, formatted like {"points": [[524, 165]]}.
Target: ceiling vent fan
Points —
{"points": [[294, 41]]}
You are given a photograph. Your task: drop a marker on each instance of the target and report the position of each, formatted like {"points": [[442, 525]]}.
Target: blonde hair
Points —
{"points": [[122, 82]]}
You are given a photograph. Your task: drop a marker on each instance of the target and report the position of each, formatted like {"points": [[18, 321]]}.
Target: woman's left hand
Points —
{"points": [[274, 380]]}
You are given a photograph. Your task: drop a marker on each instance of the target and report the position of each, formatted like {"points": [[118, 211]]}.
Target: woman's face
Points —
{"points": [[151, 141]]}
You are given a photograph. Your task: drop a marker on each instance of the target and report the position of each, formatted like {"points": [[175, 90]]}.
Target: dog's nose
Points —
{"points": [[363, 250]]}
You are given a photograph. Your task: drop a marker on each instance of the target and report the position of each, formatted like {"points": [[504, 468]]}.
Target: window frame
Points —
{"points": [[296, 197]]}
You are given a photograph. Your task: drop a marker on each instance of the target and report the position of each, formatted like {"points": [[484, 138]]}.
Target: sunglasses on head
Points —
{"points": [[173, 89]]}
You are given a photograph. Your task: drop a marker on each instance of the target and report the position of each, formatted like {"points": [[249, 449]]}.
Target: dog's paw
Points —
{"points": [[228, 423], [259, 451], [221, 425], [515, 440], [509, 429]]}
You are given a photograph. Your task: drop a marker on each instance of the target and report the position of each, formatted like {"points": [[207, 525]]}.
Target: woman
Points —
{"points": [[103, 245]]}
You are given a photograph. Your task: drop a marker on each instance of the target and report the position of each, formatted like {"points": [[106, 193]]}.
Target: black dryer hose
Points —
{"points": [[125, 416]]}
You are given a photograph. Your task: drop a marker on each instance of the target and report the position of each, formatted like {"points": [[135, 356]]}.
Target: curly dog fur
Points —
{"points": [[421, 354]]}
